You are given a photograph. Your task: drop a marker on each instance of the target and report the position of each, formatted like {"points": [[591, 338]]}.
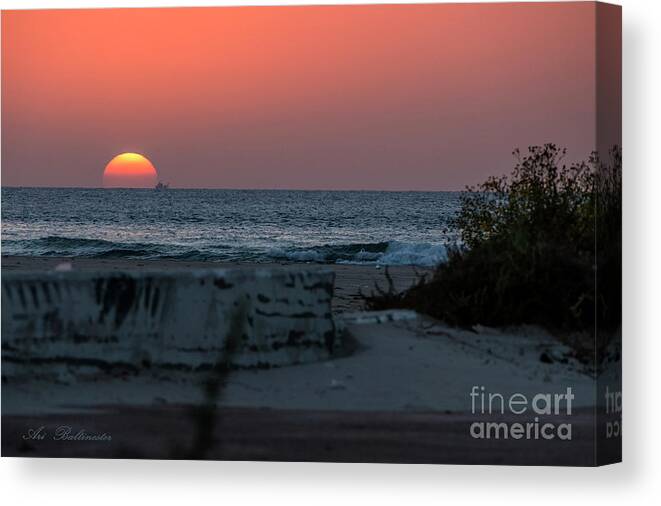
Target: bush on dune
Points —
{"points": [[532, 245]]}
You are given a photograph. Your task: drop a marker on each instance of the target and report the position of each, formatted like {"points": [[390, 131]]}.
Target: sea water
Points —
{"points": [[363, 227]]}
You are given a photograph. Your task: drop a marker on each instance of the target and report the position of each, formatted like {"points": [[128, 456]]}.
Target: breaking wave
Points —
{"points": [[378, 253], [382, 253]]}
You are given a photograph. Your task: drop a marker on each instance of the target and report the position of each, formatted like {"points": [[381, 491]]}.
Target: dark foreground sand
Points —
{"points": [[170, 432], [349, 279], [403, 397]]}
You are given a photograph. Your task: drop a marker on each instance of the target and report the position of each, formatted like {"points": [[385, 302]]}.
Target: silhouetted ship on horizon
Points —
{"points": [[161, 186]]}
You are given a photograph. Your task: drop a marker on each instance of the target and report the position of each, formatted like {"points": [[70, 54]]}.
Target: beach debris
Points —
{"points": [[129, 309]]}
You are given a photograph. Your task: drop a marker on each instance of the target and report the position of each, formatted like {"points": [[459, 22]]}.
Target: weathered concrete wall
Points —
{"points": [[178, 319]]}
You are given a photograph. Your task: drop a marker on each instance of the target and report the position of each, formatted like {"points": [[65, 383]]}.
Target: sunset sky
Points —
{"points": [[426, 97]]}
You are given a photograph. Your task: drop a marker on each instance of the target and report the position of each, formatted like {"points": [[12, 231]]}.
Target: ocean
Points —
{"points": [[361, 227]]}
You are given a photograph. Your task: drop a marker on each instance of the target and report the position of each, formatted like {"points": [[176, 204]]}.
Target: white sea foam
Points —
{"points": [[402, 253], [423, 254]]}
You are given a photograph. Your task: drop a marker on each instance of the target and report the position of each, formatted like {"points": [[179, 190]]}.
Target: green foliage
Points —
{"points": [[542, 201], [533, 243]]}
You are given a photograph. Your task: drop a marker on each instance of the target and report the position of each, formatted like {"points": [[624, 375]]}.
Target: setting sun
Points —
{"points": [[129, 170]]}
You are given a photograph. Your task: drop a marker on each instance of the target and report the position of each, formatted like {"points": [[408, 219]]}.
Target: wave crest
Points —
{"points": [[382, 253], [378, 253]]}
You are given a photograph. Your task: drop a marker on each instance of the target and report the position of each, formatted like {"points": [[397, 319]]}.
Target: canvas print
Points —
{"points": [[359, 233]]}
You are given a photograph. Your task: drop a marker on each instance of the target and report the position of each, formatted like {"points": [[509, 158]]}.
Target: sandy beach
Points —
{"points": [[401, 396], [398, 391]]}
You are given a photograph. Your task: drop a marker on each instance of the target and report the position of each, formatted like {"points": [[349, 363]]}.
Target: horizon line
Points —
{"points": [[229, 189]]}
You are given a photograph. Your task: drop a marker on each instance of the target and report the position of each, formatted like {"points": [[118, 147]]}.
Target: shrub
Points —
{"points": [[532, 244]]}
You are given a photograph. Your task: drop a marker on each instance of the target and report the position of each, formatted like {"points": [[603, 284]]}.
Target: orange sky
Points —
{"points": [[349, 97]]}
